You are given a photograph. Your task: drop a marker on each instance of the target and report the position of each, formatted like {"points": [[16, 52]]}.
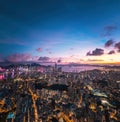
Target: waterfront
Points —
{"points": [[80, 68]]}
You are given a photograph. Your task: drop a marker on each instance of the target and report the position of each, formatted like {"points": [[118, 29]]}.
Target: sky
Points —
{"points": [[63, 31]]}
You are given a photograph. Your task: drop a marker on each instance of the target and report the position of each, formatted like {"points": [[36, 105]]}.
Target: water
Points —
{"points": [[79, 68]]}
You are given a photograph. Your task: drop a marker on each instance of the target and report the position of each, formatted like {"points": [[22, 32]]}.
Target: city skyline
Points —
{"points": [[63, 31]]}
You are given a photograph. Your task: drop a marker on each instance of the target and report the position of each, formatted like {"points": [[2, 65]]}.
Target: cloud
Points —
{"points": [[109, 43], [59, 61], [35, 58], [111, 52], [49, 51], [19, 57], [117, 46], [96, 52], [44, 59], [108, 30], [39, 49], [92, 60]]}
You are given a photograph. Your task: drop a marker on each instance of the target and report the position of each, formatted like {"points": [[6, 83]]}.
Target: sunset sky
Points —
{"points": [[80, 31]]}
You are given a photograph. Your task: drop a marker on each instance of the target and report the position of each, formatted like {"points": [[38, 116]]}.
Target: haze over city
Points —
{"points": [[64, 31], [59, 60]]}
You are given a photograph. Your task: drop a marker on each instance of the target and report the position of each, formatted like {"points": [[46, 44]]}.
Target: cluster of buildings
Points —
{"points": [[47, 94]]}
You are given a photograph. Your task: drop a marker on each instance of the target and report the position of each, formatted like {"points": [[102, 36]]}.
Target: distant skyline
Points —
{"points": [[63, 31]]}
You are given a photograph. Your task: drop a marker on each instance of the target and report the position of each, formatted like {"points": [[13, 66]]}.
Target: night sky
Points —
{"points": [[81, 31]]}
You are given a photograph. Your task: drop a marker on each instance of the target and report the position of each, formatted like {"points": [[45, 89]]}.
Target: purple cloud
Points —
{"points": [[19, 57], [96, 52], [44, 59], [49, 51], [111, 52], [108, 30], [117, 46], [39, 49], [35, 58], [59, 61], [109, 43]]}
